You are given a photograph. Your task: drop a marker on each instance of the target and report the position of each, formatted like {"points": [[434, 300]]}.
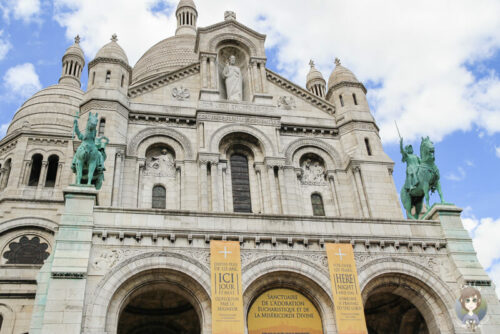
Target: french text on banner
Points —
{"points": [[227, 297], [349, 311]]}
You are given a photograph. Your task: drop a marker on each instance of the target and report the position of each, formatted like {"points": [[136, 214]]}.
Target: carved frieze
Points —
{"points": [[238, 119], [234, 107], [287, 102]]}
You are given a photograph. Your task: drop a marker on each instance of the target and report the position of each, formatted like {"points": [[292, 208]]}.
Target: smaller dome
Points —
{"points": [[112, 50], [314, 74], [341, 74], [186, 3], [75, 49]]}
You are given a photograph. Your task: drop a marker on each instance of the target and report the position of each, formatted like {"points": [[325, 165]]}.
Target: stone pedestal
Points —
{"points": [[62, 281], [261, 98], [468, 270]]}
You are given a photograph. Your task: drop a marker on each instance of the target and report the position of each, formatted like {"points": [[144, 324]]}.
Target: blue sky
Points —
{"points": [[432, 65]]}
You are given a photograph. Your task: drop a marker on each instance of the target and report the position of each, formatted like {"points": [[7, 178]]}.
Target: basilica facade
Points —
{"points": [[206, 143]]}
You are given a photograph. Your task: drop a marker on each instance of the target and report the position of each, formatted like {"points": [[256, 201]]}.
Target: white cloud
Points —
{"points": [[25, 10], [484, 233], [22, 80], [497, 151], [5, 46], [418, 53], [3, 129], [457, 176]]}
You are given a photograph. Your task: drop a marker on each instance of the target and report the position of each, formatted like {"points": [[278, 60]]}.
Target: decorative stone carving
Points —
{"points": [[181, 93], [287, 102], [233, 79], [160, 163], [229, 15], [108, 258], [27, 251], [313, 171]]}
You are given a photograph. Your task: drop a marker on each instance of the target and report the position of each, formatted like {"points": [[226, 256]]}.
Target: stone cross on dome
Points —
{"points": [[77, 39], [311, 63], [114, 38], [337, 61]]}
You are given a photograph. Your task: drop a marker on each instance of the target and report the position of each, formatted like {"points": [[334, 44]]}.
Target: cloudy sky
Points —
{"points": [[431, 65]]}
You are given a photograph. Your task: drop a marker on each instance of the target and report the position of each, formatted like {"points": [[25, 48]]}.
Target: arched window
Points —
{"points": [[4, 178], [159, 197], [317, 205], [341, 100], [52, 168], [368, 147], [27, 250], [102, 126], [108, 76], [241, 183], [355, 99], [36, 169], [93, 78]]}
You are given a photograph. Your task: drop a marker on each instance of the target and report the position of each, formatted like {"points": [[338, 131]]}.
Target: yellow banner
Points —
{"points": [[227, 297], [349, 311], [283, 311]]}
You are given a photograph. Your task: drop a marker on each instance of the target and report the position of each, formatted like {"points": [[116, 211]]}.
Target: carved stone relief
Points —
{"points": [[181, 93], [287, 102], [313, 170]]}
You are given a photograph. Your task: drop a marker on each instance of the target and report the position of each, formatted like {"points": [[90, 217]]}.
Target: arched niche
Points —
{"points": [[225, 50]]}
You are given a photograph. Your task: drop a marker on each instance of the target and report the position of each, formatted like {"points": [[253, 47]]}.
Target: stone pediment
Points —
{"points": [[209, 38]]}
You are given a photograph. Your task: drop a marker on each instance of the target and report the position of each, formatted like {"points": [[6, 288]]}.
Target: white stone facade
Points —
{"points": [[170, 126]]}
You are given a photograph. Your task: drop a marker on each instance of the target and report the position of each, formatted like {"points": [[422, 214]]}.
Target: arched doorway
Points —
{"points": [[387, 313], [158, 307]]}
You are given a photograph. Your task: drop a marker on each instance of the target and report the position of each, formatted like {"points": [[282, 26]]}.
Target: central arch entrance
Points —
{"points": [[158, 308]]}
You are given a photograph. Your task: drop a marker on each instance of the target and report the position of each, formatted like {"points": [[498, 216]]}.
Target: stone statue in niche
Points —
{"points": [[161, 164], [233, 79], [313, 172]]}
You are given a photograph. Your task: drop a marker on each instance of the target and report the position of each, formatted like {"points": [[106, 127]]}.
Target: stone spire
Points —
{"points": [[73, 62], [187, 15]]}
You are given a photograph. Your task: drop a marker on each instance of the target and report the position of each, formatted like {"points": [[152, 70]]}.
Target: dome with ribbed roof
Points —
{"points": [[341, 74], [50, 110], [168, 55], [186, 3], [75, 49], [113, 50], [314, 74]]}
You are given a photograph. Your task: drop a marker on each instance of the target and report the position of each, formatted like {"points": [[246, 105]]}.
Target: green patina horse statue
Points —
{"points": [[422, 177], [88, 162]]}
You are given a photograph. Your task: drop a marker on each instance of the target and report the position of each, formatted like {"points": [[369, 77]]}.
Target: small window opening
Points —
{"points": [[5, 178], [368, 148], [50, 181], [317, 205], [123, 79], [108, 76], [159, 197], [355, 99], [93, 78], [36, 169], [102, 126], [341, 100]]}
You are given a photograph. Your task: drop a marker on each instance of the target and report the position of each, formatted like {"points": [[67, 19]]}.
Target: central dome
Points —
{"points": [[168, 55]]}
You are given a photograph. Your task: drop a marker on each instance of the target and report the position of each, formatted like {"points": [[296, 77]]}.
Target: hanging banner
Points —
{"points": [[349, 311], [227, 297], [283, 311]]}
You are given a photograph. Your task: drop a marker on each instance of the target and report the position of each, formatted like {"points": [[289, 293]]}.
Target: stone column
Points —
{"points": [[203, 186], [213, 72], [204, 72], [273, 190], [179, 178], [297, 183], [228, 189], [43, 174], [62, 294], [2, 175], [23, 180], [283, 199], [141, 164], [214, 173], [60, 166], [262, 174], [117, 180], [290, 184], [331, 181], [263, 77], [260, 191], [256, 75], [360, 191]]}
